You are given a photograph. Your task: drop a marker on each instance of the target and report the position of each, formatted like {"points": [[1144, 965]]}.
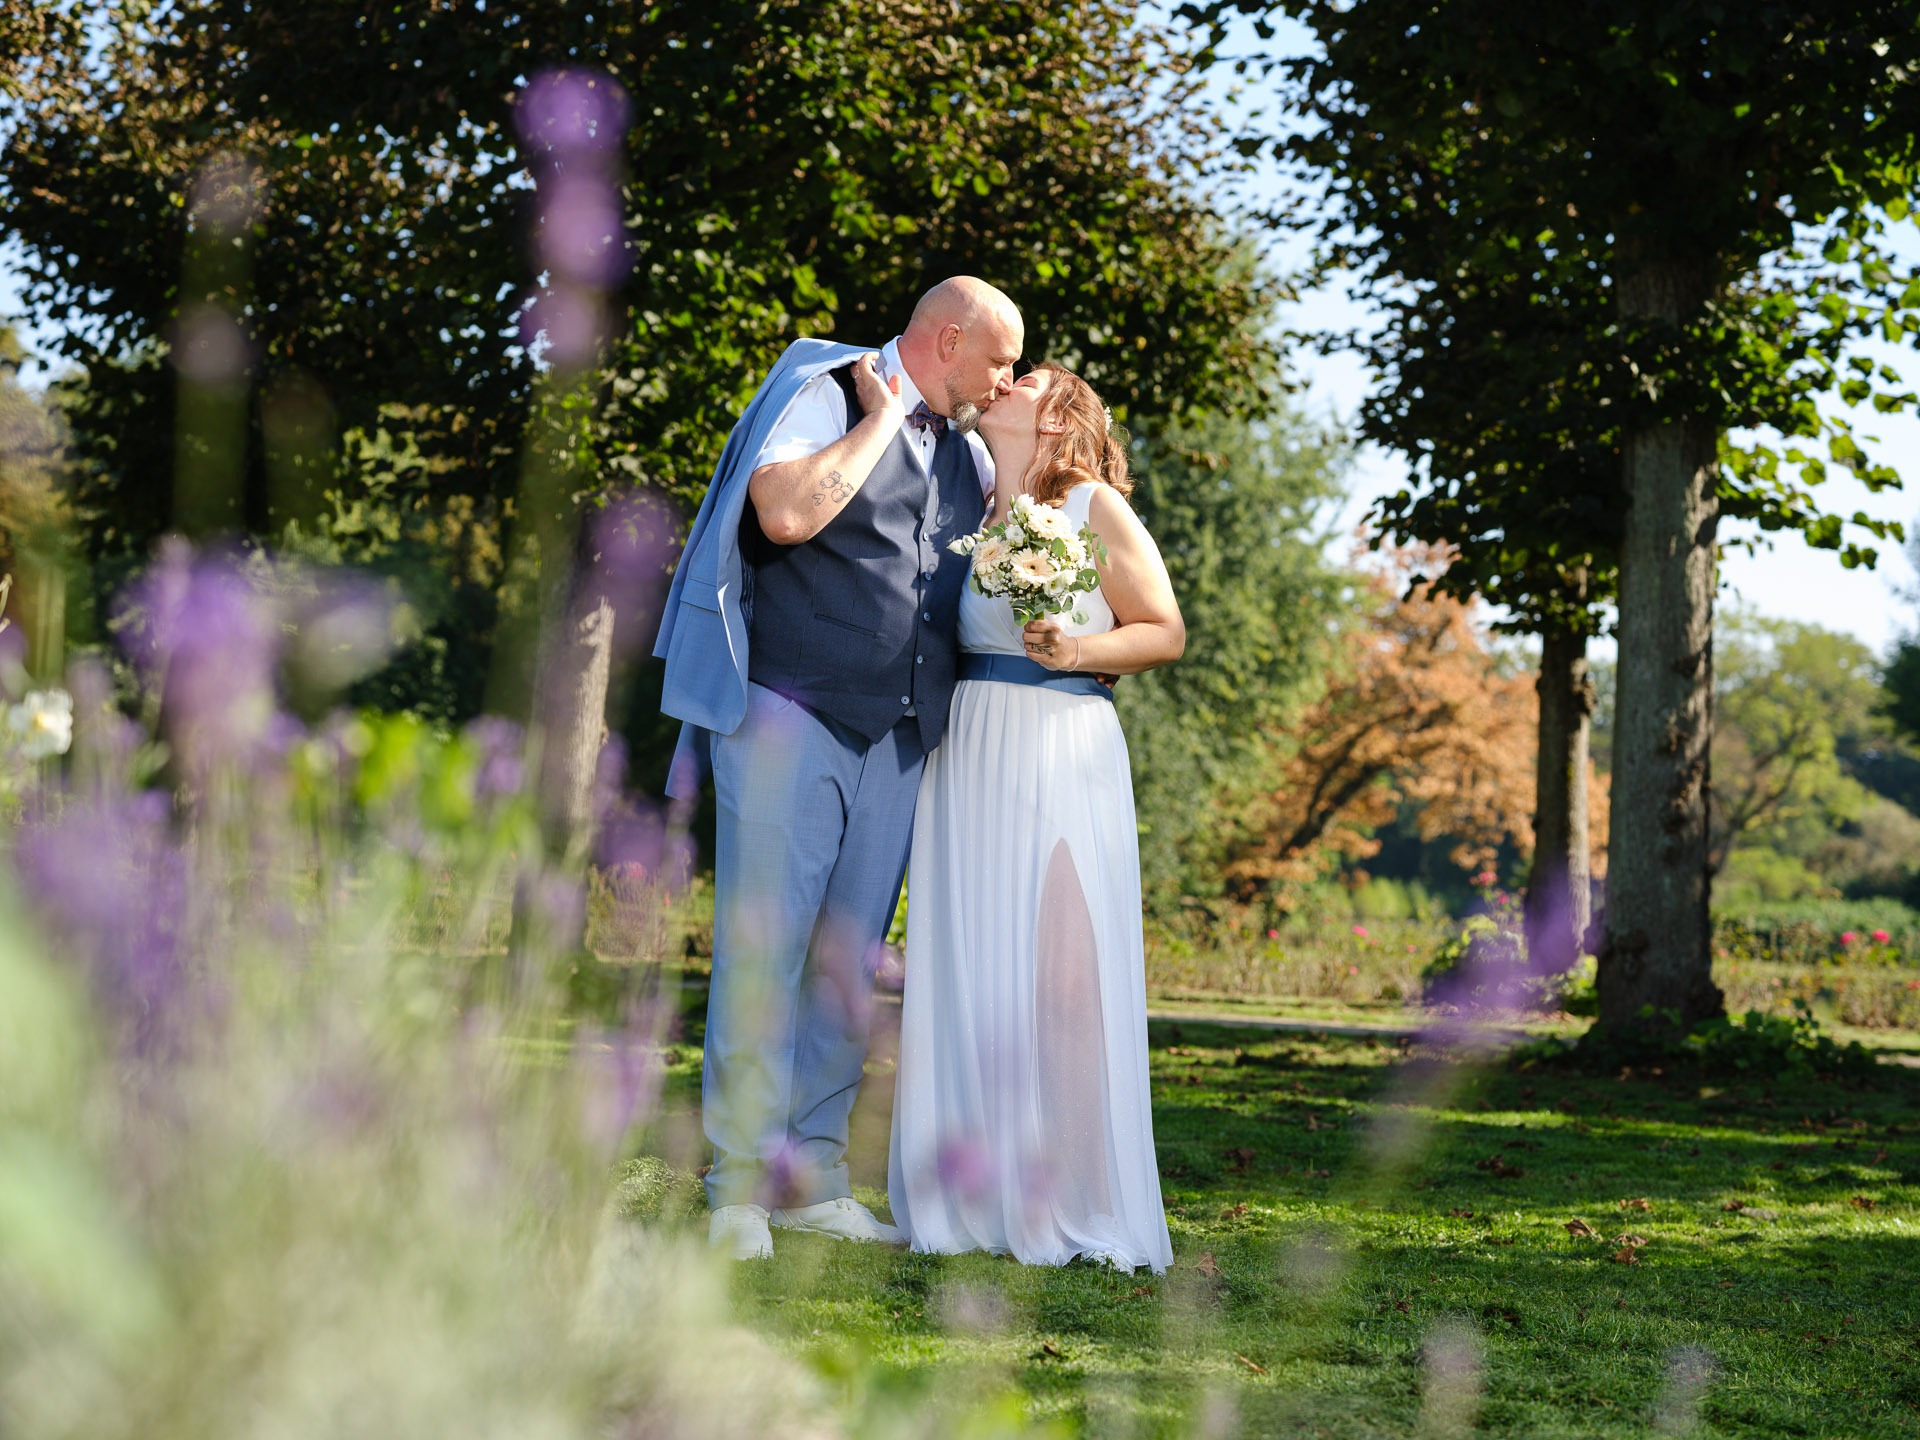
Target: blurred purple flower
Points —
{"points": [[108, 884], [783, 1180], [634, 540], [572, 126], [558, 903], [623, 1071], [609, 777], [207, 641], [572, 113], [965, 1166], [502, 770], [570, 320], [630, 836], [100, 732], [581, 238]]}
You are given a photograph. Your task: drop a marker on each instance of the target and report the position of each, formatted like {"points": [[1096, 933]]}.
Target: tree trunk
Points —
{"points": [[1559, 892], [573, 667], [570, 707], [1655, 973]]}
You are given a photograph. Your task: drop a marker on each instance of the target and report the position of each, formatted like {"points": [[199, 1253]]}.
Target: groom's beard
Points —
{"points": [[962, 413]]}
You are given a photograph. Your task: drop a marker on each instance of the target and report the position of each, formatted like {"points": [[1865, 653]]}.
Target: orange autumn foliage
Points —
{"points": [[1419, 716]]}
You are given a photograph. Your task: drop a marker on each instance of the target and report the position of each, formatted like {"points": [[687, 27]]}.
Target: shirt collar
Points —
{"points": [[890, 366]]}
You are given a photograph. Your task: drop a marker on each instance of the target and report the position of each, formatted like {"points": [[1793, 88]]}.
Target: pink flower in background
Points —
{"points": [[1273, 934], [1847, 937], [1881, 937], [1361, 931], [1485, 877]]}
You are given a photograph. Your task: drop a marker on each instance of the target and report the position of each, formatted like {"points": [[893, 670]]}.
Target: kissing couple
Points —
{"points": [[864, 712]]}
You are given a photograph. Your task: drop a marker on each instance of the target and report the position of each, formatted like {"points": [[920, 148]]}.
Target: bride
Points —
{"points": [[1021, 1121]]}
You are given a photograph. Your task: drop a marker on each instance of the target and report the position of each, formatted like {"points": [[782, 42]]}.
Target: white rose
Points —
{"points": [[42, 724]]}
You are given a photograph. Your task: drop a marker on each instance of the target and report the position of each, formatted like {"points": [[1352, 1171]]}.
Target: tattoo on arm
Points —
{"points": [[832, 488]]}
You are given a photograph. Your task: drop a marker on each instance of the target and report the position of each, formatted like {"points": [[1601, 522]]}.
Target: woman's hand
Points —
{"points": [[1050, 645]]}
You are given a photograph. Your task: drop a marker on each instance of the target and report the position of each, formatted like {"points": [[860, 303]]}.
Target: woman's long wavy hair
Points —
{"points": [[1087, 449]]}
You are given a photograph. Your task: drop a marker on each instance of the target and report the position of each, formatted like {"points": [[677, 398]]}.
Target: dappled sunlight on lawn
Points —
{"points": [[1366, 1235]]}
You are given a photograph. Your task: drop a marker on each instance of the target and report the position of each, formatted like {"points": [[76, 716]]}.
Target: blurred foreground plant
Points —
{"points": [[262, 1168]]}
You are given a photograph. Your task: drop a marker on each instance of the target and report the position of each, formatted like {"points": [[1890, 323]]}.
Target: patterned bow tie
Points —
{"points": [[923, 418]]}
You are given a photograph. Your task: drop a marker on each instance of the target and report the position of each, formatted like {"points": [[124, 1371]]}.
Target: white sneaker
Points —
{"points": [[844, 1219], [741, 1230]]}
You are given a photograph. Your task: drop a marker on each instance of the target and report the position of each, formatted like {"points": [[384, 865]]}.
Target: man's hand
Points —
{"points": [[876, 394]]}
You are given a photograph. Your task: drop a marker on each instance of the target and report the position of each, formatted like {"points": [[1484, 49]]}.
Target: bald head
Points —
{"points": [[966, 302], [961, 345]]}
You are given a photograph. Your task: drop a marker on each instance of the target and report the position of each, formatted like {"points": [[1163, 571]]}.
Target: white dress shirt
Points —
{"points": [[818, 417]]}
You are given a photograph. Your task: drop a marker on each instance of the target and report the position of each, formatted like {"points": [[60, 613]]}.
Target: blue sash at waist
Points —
{"points": [[1019, 670]]}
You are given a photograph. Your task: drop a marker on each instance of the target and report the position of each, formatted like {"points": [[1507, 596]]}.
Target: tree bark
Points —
{"points": [[1655, 972], [1559, 891], [570, 706], [573, 667]]}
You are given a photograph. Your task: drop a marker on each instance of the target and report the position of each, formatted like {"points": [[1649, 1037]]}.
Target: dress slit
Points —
{"points": [[1070, 1040]]}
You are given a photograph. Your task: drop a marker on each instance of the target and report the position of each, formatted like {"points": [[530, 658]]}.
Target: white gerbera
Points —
{"points": [[1034, 567], [989, 554], [1050, 524]]}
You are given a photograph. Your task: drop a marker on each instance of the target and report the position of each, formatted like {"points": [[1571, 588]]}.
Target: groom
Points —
{"points": [[810, 645]]}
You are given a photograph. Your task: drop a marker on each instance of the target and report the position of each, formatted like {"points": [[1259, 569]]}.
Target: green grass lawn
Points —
{"points": [[1373, 1243]]}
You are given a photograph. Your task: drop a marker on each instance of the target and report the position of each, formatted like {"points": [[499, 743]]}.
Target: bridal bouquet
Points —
{"points": [[1033, 559]]}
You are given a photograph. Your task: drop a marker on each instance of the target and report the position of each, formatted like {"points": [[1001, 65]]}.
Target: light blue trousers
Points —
{"points": [[813, 829]]}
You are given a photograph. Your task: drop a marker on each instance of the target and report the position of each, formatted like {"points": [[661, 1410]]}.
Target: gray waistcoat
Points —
{"points": [[860, 623]]}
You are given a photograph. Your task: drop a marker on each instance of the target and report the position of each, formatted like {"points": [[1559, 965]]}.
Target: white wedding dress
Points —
{"points": [[1022, 1122]]}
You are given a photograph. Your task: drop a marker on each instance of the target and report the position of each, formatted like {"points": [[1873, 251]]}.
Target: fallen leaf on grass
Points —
{"points": [[1497, 1166], [1461, 1214], [1734, 1207], [1627, 1255], [1241, 1159], [1234, 1212], [1140, 1292], [1580, 1230], [1257, 1369], [1879, 1155], [1634, 1241], [1861, 1202], [1207, 1265], [1778, 1165], [1639, 1202], [1049, 1348]]}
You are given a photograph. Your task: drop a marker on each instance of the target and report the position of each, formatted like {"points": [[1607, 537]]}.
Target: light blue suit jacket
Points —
{"points": [[703, 635]]}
